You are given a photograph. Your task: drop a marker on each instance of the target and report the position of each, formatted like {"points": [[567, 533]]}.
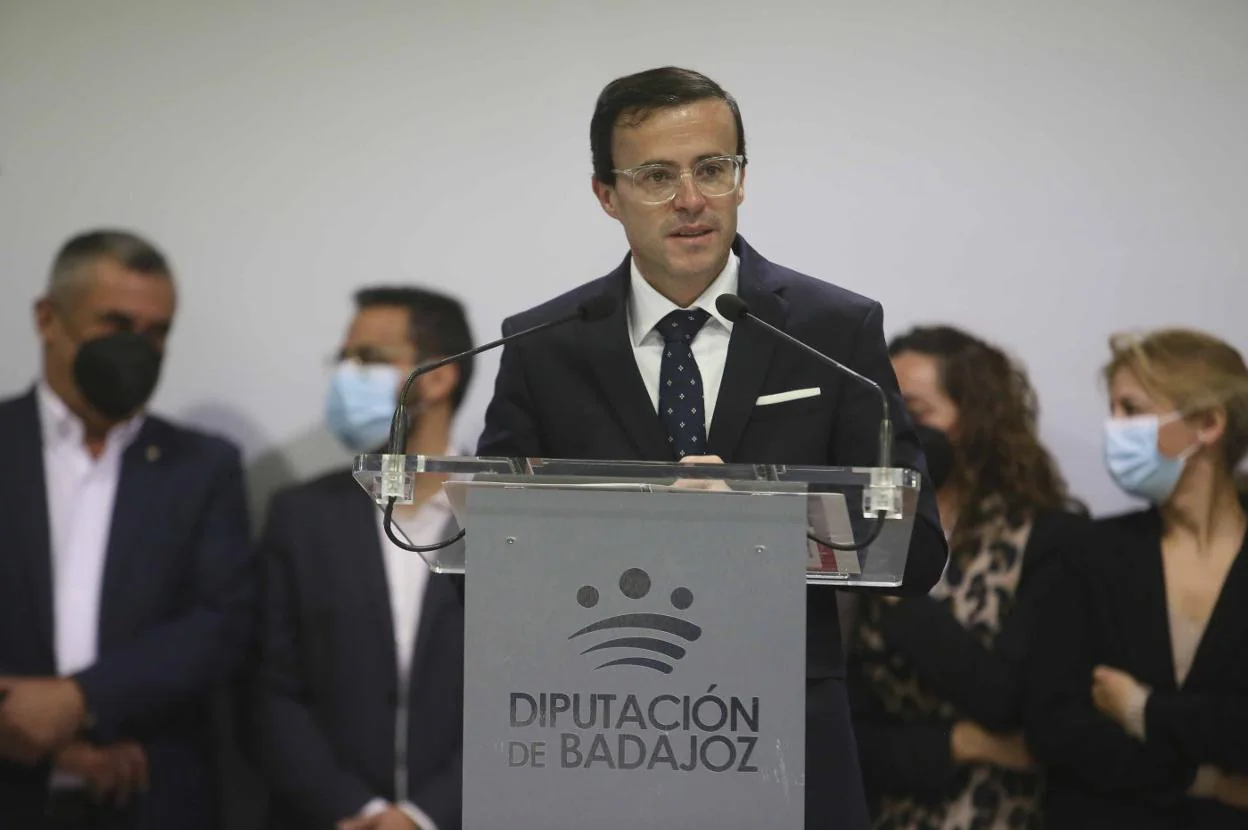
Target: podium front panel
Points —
{"points": [[634, 660]]}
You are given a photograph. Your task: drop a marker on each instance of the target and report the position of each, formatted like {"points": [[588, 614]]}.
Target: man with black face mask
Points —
{"points": [[125, 579]]}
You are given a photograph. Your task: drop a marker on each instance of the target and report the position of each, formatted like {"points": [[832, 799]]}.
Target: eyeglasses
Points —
{"points": [[658, 183]]}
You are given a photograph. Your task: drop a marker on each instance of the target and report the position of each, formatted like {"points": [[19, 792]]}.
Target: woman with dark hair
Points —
{"points": [[1138, 701], [936, 681]]}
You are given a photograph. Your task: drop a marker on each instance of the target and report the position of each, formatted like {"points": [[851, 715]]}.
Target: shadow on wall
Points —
{"points": [[305, 456]]}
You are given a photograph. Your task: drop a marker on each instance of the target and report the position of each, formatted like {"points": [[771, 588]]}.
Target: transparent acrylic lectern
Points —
{"points": [[843, 504], [635, 633]]}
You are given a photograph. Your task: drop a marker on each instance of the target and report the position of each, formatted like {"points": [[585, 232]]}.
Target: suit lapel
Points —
{"points": [[750, 353], [29, 512], [609, 346], [1148, 626], [1221, 644], [141, 485], [354, 538], [437, 591]]}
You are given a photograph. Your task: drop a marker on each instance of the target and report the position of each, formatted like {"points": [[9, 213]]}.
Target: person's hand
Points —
{"points": [[970, 743], [1113, 691], [39, 716], [1232, 790], [113, 773], [701, 483], [392, 818]]}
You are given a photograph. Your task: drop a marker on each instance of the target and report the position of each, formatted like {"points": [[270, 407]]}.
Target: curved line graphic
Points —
{"points": [[645, 662], [658, 622], [647, 643]]}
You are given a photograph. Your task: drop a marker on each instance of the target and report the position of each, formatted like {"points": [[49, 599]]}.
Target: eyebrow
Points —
{"points": [[126, 322], [668, 163]]}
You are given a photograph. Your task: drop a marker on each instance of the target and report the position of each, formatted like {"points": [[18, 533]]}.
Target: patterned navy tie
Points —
{"points": [[680, 383]]}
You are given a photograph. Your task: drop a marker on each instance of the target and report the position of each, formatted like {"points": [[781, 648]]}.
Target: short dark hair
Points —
{"points": [[129, 250], [438, 325], [636, 96]]}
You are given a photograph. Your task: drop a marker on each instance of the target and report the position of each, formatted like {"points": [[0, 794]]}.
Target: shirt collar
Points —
{"points": [[60, 426], [646, 306]]}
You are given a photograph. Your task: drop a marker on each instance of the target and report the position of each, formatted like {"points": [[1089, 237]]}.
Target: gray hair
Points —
{"points": [[70, 270]]}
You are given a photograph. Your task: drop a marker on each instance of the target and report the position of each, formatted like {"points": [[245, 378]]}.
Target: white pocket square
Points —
{"points": [[785, 397]]}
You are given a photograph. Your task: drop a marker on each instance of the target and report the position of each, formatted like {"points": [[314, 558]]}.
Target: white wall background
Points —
{"points": [[1041, 173]]}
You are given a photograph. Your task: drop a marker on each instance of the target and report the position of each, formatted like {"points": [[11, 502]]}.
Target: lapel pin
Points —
{"points": [[153, 452]]}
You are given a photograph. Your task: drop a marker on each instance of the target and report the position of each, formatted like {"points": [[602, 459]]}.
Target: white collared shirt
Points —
{"points": [[646, 307], [81, 490]]}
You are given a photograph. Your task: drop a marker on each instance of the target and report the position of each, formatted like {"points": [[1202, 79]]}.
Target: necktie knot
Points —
{"points": [[682, 325]]}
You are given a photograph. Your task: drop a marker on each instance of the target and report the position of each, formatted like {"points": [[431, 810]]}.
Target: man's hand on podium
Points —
{"points": [[701, 483]]}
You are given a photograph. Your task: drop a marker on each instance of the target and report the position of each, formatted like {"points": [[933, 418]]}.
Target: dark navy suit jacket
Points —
{"points": [[175, 611], [328, 684], [575, 392]]}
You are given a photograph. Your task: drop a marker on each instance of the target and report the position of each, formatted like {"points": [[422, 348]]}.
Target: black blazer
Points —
{"points": [[175, 613], [328, 679], [984, 683], [1111, 610], [575, 392]]}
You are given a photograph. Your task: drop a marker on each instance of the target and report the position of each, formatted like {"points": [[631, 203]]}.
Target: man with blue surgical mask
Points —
{"points": [[359, 696]]}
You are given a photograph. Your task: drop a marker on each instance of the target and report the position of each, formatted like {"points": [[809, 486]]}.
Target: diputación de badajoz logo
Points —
{"points": [[675, 730], [656, 654]]}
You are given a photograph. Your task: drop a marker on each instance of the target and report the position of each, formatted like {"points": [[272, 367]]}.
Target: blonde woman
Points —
{"points": [[1139, 676]]}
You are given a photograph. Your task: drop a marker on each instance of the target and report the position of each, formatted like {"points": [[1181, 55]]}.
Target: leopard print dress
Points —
{"points": [[978, 589]]}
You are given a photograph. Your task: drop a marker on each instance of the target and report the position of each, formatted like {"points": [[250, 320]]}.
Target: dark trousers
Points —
{"points": [[835, 798]]}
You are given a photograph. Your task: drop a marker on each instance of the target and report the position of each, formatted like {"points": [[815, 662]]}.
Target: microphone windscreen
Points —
{"points": [[597, 308], [732, 307]]}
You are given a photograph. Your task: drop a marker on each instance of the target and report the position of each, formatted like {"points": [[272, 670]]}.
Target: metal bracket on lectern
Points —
{"points": [[396, 482], [882, 495]]}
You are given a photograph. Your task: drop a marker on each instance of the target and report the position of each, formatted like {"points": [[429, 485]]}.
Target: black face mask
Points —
{"points": [[939, 453], [117, 373]]}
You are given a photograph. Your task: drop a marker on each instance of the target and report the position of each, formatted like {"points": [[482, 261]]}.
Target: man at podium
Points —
{"points": [[667, 377]]}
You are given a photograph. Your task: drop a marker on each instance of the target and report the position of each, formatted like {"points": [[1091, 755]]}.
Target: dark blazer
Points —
{"points": [[985, 683], [175, 611], [328, 680], [1111, 610], [575, 392]]}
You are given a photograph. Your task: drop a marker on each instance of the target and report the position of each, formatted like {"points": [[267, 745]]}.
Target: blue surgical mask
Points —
{"points": [[361, 404], [1136, 462]]}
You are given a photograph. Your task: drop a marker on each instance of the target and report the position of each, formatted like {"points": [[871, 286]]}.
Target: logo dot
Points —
{"points": [[682, 598], [587, 596], [634, 583]]}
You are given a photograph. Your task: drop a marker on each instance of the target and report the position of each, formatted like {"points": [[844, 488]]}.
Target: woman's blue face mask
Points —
{"points": [[1135, 460]]}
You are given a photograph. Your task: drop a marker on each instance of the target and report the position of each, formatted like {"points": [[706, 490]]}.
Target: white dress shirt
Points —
{"points": [[407, 575], [646, 307], [81, 490]]}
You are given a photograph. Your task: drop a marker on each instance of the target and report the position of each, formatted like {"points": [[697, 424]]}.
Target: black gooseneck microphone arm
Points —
{"points": [[592, 310], [736, 309]]}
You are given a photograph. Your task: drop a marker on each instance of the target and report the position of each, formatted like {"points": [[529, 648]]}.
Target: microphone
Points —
{"points": [[880, 497], [736, 309], [394, 473], [591, 311]]}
